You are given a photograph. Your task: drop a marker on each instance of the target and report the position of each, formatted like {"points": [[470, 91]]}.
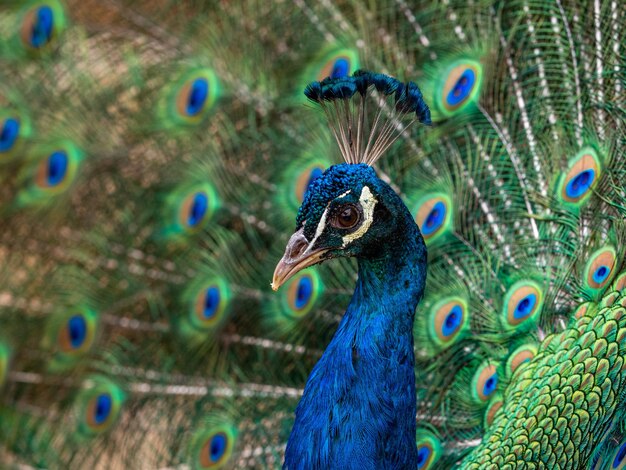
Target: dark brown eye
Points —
{"points": [[346, 217]]}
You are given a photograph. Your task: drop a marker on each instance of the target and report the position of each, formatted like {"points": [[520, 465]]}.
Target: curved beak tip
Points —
{"points": [[296, 258], [284, 270]]}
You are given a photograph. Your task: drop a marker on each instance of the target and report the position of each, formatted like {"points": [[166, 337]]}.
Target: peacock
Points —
{"points": [[463, 161]]}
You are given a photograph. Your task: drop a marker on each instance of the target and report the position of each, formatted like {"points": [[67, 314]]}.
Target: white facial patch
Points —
{"points": [[368, 202], [320, 227]]}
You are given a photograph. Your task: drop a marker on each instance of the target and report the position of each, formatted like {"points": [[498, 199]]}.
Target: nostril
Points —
{"points": [[298, 247]]}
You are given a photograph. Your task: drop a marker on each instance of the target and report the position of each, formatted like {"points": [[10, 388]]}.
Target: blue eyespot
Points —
{"points": [[304, 292], [446, 320], [57, 168], [42, 27], [490, 385], [191, 209], [458, 86], [341, 68], [77, 330], [301, 294], [580, 184], [435, 218], [9, 133], [522, 304], [57, 165], [525, 306], [428, 449], [453, 321], [198, 209], [485, 381], [462, 88], [100, 402], [620, 456], [197, 96], [337, 63], [187, 100], [423, 453], [214, 446], [211, 302], [210, 305], [433, 215], [104, 403], [73, 334], [217, 447], [583, 172], [601, 273], [600, 268]]}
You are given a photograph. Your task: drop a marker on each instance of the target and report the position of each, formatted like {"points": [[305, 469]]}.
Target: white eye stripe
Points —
{"points": [[320, 226], [368, 202]]}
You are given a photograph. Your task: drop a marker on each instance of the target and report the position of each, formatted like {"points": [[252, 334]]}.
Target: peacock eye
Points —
{"points": [[346, 217]]}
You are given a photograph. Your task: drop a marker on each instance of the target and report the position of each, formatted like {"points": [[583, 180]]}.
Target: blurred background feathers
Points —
{"points": [[153, 155]]}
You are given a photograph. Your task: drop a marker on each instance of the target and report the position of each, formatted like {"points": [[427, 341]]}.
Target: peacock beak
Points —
{"points": [[298, 255]]}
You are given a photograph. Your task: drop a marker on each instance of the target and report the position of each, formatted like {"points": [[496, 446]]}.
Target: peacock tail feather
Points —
{"points": [[153, 156]]}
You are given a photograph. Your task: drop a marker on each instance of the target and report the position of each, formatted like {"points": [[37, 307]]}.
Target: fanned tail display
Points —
{"points": [[153, 159]]}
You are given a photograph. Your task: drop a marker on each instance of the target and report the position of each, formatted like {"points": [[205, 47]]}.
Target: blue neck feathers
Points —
{"points": [[358, 407]]}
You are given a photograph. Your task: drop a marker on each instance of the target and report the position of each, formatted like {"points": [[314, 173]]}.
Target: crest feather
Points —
{"points": [[365, 112]]}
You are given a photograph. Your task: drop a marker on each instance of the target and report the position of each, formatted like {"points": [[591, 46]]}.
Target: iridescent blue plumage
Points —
{"points": [[359, 403]]}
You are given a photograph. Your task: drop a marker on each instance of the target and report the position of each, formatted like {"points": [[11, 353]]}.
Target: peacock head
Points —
{"points": [[347, 211]]}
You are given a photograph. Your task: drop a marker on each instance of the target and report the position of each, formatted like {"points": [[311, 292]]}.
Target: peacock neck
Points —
{"points": [[381, 313], [358, 408], [397, 275], [390, 284]]}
